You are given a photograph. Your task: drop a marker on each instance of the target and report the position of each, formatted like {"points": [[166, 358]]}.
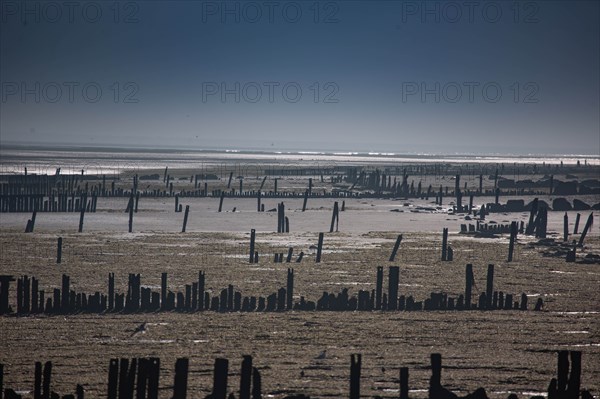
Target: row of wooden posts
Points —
{"points": [[140, 378], [26, 193], [52, 203], [31, 300]]}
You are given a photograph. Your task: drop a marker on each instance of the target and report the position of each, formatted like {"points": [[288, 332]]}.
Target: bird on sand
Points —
{"points": [[139, 329]]}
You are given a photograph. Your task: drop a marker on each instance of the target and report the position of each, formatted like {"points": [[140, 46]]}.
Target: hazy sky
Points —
{"points": [[396, 76]]}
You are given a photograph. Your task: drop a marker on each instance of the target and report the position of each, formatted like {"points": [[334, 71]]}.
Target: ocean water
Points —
{"points": [[14, 160]]}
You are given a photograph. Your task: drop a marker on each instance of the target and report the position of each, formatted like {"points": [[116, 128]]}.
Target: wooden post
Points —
{"points": [[252, 240], [576, 228], [355, 365], [37, 384], [185, 218], [256, 384], [319, 248], [379, 288], [46, 380], [305, 200], [131, 213], [566, 227], [230, 177], [113, 376], [59, 250], [246, 377], [220, 378], [513, 237], [588, 224], [396, 246], [436, 371], [468, 285], [444, 243], [489, 287], [181, 377], [81, 215], [334, 217], [530, 225], [137, 200], [258, 202], [404, 383], [290, 289], [221, 200], [393, 280]]}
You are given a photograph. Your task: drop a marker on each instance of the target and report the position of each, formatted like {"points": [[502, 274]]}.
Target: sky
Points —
{"points": [[446, 77]]}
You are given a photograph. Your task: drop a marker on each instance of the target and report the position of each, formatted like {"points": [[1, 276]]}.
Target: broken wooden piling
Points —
{"points": [[445, 244], [396, 246], [185, 218], [59, 250], [588, 224], [319, 248]]}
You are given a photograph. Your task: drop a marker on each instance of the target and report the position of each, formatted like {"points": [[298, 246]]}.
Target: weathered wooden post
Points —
{"points": [[258, 202], [396, 246], [319, 248], [181, 378], [246, 377], [379, 288], [566, 227], [588, 224], [137, 200], [252, 240], [5, 281], [256, 384], [287, 224], [355, 365], [220, 378], [393, 280], [468, 285], [404, 383], [290, 289], [130, 207], [262, 184], [435, 383], [185, 218], [530, 225], [81, 215], [513, 237], [127, 373], [444, 244], [59, 250], [576, 228], [229, 182], [305, 200], [334, 217], [471, 203], [221, 200], [489, 287]]}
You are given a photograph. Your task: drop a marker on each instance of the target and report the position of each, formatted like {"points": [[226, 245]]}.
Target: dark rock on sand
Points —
{"points": [[561, 204], [579, 205]]}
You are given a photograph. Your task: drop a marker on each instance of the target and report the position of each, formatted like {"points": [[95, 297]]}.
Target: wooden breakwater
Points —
{"points": [[140, 378], [30, 299], [61, 192]]}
